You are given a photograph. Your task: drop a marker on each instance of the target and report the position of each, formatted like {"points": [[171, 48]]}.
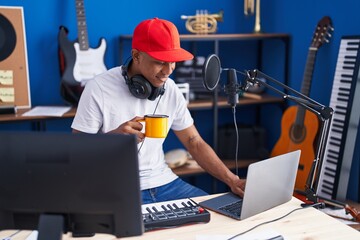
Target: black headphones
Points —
{"points": [[140, 87]]}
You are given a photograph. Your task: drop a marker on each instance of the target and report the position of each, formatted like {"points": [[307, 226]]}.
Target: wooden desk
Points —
{"points": [[243, 101], [303, 224], [39, 122], [18, 116], [187, 170], [193, 105], [192, 171]]}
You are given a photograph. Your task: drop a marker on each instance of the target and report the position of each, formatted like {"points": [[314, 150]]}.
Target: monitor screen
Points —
{"points": [[88, 181]]}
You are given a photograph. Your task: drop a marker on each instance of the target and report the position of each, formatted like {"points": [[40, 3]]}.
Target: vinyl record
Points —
{"points": [[7, 38]]}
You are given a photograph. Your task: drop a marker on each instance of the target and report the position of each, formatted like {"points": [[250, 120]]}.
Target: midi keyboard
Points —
{"points": [[172, 214]]}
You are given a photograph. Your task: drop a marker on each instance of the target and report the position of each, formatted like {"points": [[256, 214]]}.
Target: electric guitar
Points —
{"points": [[299, 126], [81, 62]]}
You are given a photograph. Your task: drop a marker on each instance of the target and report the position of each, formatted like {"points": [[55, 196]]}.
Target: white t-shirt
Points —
{"points": [[106, 103]]}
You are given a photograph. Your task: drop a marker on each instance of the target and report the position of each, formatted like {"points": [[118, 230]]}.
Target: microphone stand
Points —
{"points": [[324, 113]]}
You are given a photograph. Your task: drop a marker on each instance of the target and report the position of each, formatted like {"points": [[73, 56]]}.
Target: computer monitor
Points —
{"points": [[88, 182]]}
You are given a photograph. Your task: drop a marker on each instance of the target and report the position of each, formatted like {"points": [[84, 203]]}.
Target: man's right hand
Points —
{"points": [[132, 126]]}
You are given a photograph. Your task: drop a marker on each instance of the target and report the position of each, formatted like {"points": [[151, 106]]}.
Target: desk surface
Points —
{"points": [[303, 224], [191, 170], [193, 105], [18, 116]]}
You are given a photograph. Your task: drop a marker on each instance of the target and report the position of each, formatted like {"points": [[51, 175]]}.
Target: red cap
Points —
{"points": [[160, 39]]}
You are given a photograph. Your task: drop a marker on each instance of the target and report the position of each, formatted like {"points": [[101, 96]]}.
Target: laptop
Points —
{"points": [[269, 183]]}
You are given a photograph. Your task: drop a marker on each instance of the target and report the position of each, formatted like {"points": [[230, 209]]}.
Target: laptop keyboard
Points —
{"points": [[233, 208]]}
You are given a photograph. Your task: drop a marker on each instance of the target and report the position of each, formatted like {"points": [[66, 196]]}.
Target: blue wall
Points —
{"points": [[112, 18]]}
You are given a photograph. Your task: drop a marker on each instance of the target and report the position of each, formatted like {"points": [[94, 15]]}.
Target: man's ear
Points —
{"points": [[135, 55]]}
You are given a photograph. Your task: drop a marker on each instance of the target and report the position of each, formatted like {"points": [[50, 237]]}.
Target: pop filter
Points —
{"points": [[211, 72]]}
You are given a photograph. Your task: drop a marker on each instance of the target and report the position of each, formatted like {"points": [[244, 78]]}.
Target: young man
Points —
{"points": [[115, 101]]}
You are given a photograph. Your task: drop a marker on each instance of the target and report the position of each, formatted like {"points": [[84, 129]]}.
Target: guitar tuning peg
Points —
{"points": [[329, 34]]}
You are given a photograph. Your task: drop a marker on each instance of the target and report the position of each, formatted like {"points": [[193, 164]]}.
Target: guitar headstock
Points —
{"points": [[322, 32]]}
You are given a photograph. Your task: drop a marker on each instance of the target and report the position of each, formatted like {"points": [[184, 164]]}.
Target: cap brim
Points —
{"points": [[175, 55]]}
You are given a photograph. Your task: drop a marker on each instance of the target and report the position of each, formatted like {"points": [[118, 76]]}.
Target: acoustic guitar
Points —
{"points": [[81, 62], [299, 126]]}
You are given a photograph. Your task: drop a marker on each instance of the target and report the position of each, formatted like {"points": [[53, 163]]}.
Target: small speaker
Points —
{"points": [[14, 78]]}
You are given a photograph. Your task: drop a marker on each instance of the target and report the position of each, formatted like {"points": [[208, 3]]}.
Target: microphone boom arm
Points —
{"points": [[324, 114], [322, 111], [211, 75]]}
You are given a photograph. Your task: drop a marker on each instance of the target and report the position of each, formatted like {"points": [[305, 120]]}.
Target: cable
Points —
{"points": [[141, 145], [276, 219], [157, 104], [12, 235], [237, 140]]}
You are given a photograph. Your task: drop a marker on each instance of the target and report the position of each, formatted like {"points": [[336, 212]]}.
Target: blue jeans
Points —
{"points": [[176, 189]]}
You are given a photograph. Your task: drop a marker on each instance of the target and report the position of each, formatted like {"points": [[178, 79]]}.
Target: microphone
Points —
{"points": [[232, 88], [211, 74]]}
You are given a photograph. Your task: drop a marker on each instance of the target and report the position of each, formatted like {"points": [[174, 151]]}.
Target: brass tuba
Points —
{"points": [[202, 22]]}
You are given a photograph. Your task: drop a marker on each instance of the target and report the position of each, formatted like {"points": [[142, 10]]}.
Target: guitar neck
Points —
{"points": [[306, 83], [81, 25], [308, 73]]}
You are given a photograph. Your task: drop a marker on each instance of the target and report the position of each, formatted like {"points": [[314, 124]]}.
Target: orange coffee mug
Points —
{"points": [[156, 125]]}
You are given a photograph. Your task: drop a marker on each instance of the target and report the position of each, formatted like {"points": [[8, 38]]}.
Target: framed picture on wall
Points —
{"points": [[14, 76]]}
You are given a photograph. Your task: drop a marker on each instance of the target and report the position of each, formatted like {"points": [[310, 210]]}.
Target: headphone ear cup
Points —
{"points": [[156, 92], [139, 87]]}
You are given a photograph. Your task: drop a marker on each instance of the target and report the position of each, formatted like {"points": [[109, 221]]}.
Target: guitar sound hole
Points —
{"points": [[297, 133]]}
